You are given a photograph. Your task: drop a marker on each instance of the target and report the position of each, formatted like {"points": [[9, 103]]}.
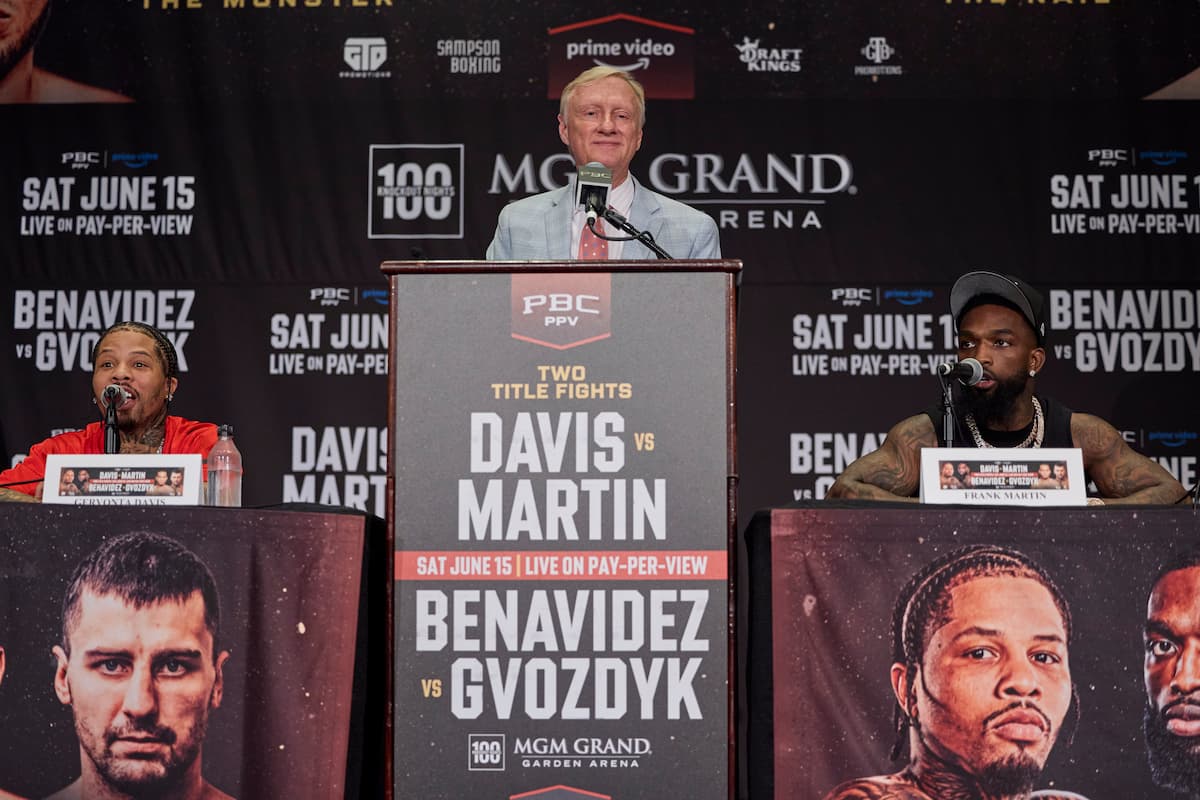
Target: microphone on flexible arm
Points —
{"points": [[113, 396], [594, 181], [968, 371]]}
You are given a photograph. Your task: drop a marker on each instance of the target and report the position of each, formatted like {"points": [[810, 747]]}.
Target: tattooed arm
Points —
{"points": [[891, 787], [1121, 475], [9, 496], [893, 472]]}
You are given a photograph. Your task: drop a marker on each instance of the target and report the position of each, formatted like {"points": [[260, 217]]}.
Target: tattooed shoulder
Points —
{"points": [[888, 787]]}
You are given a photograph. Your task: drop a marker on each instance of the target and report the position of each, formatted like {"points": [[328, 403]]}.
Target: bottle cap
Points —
{"points": [[225, 430]]}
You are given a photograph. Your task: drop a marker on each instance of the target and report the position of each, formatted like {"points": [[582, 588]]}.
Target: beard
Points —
{"points": [[10, 54], [993, 406], [1174, 760], [148, 778], [1014, 776]]}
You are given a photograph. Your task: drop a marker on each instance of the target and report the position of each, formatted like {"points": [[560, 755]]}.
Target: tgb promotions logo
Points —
{"points": [[658, 54], [562, 310], [416, 191], [878, 52]]}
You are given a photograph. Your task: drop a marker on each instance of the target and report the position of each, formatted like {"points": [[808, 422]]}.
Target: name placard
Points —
{"points": [[123, 480], [1023, 476]]}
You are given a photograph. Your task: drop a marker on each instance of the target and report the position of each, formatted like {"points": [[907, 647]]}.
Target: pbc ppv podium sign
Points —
{"points": [[561, 458]]}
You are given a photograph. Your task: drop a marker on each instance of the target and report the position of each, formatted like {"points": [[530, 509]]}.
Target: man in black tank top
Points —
{"points": [[1001, 324]]}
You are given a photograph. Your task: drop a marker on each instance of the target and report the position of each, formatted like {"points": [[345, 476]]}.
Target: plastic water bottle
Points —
{"points": [[224, 470]]}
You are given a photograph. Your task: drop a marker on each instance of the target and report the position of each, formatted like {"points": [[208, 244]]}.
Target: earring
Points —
{"points": [[170, 397], [1033, 373], [93, 401]]}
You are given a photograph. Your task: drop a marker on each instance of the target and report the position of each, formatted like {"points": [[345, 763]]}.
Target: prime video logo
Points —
{"points": [[134, 160], [1162, 158], [908, 297], [1172, 438]]}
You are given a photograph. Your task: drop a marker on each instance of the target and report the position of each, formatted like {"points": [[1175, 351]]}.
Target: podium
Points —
{"points": [[561, 480]]}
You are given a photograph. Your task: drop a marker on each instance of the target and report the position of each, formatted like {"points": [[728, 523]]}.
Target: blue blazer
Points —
{"points": [[539, 228]]}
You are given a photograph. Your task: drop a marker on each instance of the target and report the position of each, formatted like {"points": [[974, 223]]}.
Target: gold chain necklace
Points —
{"points": [[1034, 439]]}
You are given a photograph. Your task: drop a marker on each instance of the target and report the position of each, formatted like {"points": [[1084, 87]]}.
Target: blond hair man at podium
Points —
{"points": [[600, 120]]}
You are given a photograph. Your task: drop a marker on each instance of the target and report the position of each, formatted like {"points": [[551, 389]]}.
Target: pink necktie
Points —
{"points": [[591, 246]]}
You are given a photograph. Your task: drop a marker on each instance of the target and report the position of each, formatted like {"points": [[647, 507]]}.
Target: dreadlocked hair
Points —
{"points": [[923, 606]]}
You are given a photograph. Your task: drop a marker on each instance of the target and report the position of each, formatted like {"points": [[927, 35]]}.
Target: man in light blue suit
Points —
{"points": [[600, 119]]}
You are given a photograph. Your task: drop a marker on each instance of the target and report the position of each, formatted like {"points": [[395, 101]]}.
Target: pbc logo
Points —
{"points": [[563, 305], [851, 296], [416, 191], [81, 160], [485, 752], [560, 310], [1108, 157], [330, 296], [364, 54]]}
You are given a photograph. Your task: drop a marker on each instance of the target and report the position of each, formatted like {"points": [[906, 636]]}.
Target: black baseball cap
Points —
{"points": [[1020, 294]]}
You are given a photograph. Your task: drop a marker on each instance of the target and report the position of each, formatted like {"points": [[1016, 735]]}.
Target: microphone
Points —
{"points": [[594, 181], [968, 371], [114, 395]]}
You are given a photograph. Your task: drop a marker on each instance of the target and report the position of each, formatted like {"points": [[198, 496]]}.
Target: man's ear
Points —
{"points": [[1, 663], [218, 690], [62, 687], [900, 683], [1037, 359]]}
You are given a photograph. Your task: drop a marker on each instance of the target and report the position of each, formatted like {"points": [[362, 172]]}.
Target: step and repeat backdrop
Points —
{"points": [[234, 171]]}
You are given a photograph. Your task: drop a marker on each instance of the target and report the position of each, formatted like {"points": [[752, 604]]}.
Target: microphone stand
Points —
{"points": [[112, 440], [949, 423], [642, 236]]}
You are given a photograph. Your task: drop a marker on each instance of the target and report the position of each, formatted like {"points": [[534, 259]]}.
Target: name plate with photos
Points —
{"points": [[1011, 476], [126, 479]]}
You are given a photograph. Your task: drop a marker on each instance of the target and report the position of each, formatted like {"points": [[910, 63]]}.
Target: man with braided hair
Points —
{"points": [[981, 680], [142, 361]]}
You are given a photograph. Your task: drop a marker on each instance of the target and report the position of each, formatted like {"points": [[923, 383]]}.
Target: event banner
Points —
{"points": [[1096, 683], [562, 530], [241, 677]]}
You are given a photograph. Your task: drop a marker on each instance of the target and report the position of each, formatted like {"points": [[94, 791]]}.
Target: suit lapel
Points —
{"points": [[558, 224], [645, 214]]}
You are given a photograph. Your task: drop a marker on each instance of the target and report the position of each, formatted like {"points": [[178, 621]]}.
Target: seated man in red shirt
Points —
{"points": [[142, 361]]}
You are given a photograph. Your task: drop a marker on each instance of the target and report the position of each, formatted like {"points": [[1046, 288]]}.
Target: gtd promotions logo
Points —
{"points": [[364, 55], [416, 191]]}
